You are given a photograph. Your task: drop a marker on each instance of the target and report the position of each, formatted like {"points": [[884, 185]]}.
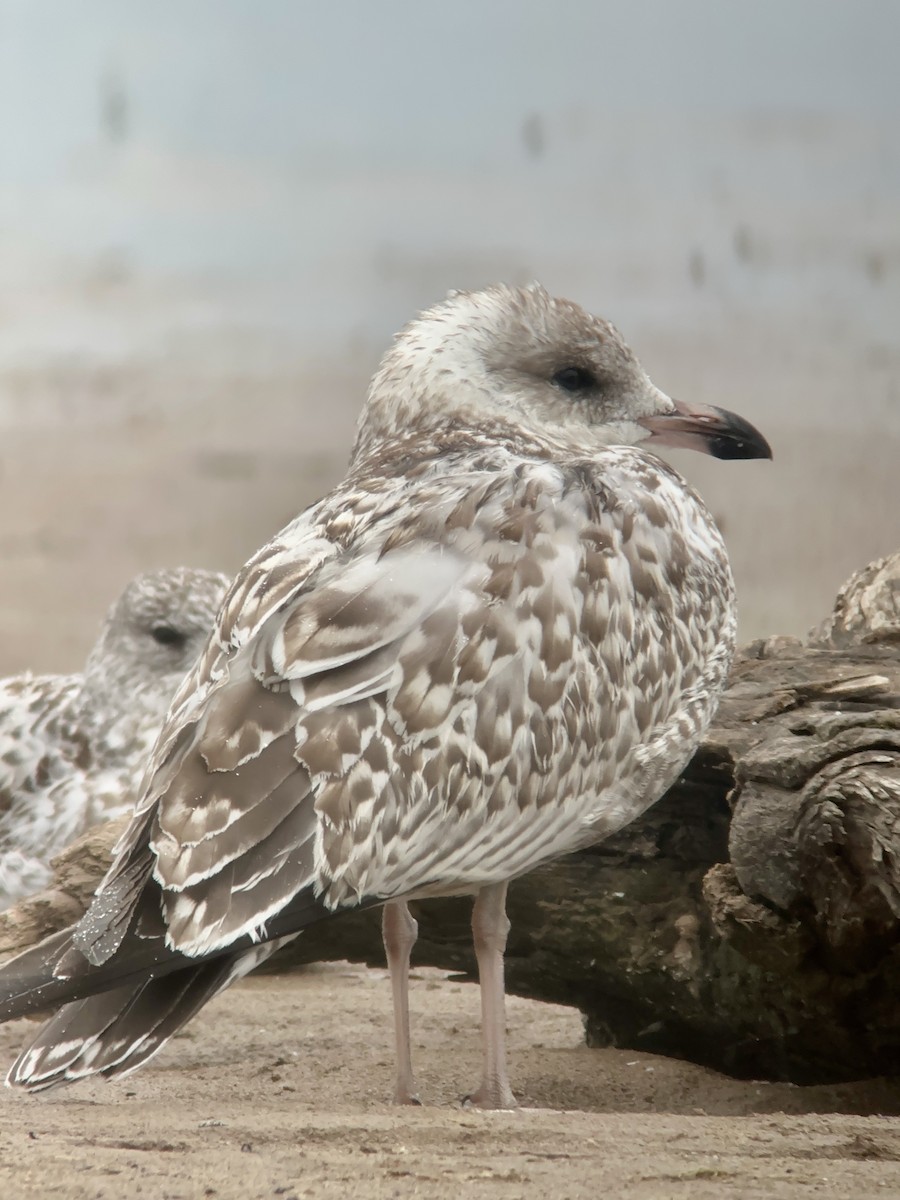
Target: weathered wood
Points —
{"points": [[750, 920]]}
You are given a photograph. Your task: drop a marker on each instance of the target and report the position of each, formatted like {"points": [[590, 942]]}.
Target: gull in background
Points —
{"points": [[73, 747]]}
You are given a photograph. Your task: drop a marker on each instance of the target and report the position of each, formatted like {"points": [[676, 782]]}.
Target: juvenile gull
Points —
{"points": [[497, 640], [72, 747]]}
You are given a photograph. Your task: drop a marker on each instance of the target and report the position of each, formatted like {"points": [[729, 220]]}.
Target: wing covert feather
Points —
{"points": [[428, 704]]}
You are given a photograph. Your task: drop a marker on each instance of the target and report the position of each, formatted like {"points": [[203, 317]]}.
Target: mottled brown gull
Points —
{"points": [[497, 640], [73, 747]]}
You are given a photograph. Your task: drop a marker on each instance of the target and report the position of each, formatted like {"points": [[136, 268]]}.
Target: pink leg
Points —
{"points": [[399, 930], [489, 930]]}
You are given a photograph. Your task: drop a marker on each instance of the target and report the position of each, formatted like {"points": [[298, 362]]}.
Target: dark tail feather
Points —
{"points": [[27, 983], [55, 971], [118, 1013], [116, 1032]]}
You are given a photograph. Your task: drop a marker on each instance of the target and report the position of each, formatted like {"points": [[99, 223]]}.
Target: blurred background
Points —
{"points": [[214, 213]]}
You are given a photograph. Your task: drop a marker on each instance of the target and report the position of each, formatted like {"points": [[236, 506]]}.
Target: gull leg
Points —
{"points": [[399, 930], [490, 927]]}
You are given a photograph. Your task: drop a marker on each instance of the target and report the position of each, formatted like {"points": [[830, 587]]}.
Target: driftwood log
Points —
{"points": [[750, 921]]}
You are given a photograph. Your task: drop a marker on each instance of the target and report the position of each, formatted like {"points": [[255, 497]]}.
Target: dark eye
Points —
{"points": [[575, 379], [167, 636]]}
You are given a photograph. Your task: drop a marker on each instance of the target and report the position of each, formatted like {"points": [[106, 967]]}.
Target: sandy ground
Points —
{"points": [[281, 1087]]}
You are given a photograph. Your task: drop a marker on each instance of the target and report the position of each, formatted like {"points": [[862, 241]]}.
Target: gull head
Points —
{"points": [[520, 360], [156, 629]]}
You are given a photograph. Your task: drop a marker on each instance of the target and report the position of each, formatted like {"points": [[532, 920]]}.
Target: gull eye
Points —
{"points": [[574, 380], [167, 636]]}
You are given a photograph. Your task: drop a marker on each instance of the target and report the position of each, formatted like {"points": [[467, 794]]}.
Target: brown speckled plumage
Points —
{"points": [[73, 747], [498, 639]]}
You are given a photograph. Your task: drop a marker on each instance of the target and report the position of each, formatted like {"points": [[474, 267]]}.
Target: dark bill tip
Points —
{"points": [[739, 440], [714, 431]]}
